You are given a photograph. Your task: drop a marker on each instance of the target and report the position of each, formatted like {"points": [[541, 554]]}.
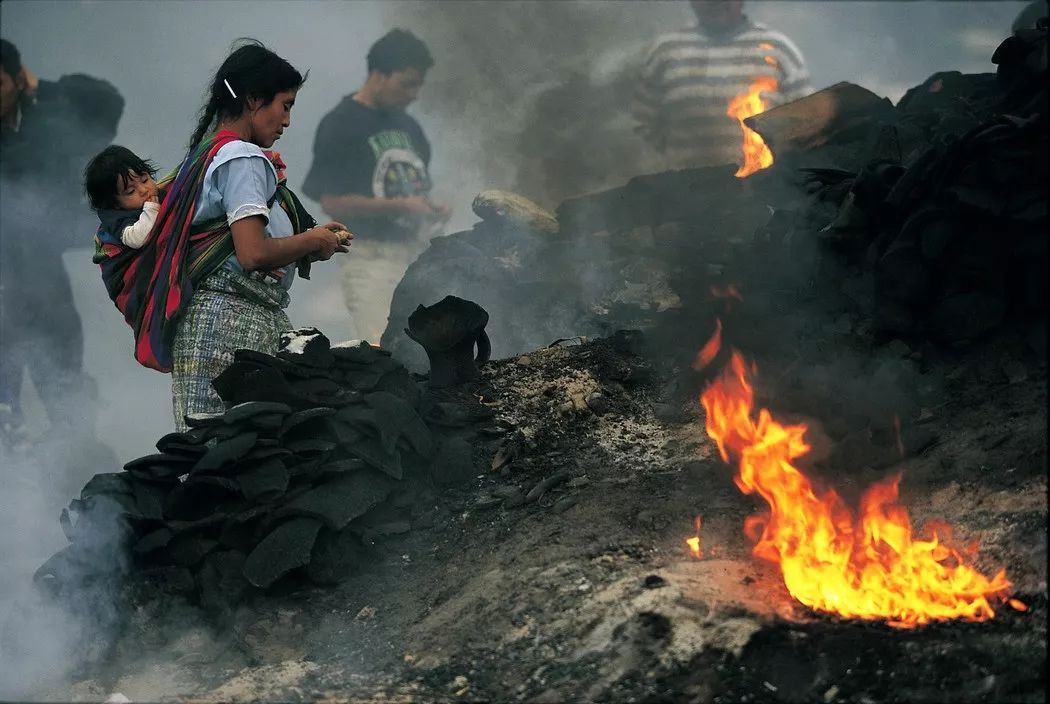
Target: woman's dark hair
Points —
{"points": [[100, 175], [10, 60], [397, 50], [253, 71]]}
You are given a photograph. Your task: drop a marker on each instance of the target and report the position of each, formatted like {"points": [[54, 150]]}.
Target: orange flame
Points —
{"points": [[694, 541], [870, 567], [710, 349], [756, 154]]}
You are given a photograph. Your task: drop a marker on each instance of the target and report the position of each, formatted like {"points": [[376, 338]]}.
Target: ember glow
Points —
{"points": [[866, 567], [694, 540], [756, 154]]}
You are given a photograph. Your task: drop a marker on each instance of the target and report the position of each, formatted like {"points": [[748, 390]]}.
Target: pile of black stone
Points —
{"points": [[319, 446], [947, 218]]}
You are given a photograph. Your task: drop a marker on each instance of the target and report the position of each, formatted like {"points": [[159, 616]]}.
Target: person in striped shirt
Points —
{"points": [[689, 77]]}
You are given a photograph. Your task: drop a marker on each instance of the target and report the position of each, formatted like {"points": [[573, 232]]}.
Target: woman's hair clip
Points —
{"points": [[229, 88]]}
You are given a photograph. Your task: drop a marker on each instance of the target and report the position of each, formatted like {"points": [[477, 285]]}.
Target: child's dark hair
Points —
{"points": [[252, 71], [398, 50], [100, 175]]}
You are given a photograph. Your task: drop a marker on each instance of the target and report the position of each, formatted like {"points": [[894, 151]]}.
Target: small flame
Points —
{"points": [[694, 541], [710, 349], [1017, 605], [756, 154], [867, 567]]}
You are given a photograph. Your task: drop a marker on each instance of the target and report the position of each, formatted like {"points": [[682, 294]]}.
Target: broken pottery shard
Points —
{"points": [[188, 443], [244, 411], [203, 420], [109, 483], [153, 541], [195, 500], [243, 381], [287, 547], [341, 500], [150, 499], [265, 480], [507, 207], [226, 452], [393, 416], [543, 486], [161, 465], [371, 451], [304, 415]]}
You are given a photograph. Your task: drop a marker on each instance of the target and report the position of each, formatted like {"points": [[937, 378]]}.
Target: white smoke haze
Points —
{"points": [[492, 61]]}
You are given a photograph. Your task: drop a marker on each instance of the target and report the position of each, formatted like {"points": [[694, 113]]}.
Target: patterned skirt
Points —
{"points": [[229, 311]]}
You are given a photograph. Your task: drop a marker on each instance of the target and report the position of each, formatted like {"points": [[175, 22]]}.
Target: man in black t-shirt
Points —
{"points": [[370, 172]]}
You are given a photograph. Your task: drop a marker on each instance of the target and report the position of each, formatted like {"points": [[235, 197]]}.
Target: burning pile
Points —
{"points": [[867, 567], [756, 155]]}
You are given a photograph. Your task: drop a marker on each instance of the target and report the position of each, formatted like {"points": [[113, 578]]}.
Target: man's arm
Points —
{"points": [[354, 205], [645, 105]]}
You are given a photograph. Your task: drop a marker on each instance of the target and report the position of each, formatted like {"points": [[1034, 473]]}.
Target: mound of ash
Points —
{"points": [[322, 449]]}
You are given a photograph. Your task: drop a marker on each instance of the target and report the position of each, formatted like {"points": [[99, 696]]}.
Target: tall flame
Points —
{"points": [[870, 567], [756, 154]]}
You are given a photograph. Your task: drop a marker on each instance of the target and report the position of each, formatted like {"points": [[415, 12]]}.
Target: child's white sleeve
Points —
{"points": [[135, 236]]}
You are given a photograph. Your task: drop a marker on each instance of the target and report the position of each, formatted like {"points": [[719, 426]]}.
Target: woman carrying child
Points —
{"points": [[215, 273]]}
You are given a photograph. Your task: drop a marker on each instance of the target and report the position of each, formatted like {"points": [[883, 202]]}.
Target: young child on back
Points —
{"points": [[123, 193]]}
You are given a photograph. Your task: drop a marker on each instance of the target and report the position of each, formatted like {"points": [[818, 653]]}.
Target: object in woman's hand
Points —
{"points": [[344, 237]]}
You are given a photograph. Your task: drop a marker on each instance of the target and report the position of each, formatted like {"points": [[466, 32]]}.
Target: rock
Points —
{"points": [[545, 485], [598, 403], [266, 480]]}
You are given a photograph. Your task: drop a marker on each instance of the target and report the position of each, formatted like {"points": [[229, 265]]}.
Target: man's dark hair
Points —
{"points": [[100, 175], [10, 59], [398, 50], [253, 71]]}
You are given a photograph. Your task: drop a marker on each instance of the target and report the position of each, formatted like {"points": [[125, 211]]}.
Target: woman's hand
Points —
{"points": [[329, 238]]}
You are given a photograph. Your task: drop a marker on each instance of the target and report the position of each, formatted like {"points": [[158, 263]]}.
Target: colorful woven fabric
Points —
{"points": [[153, 285], [228, 311]]}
